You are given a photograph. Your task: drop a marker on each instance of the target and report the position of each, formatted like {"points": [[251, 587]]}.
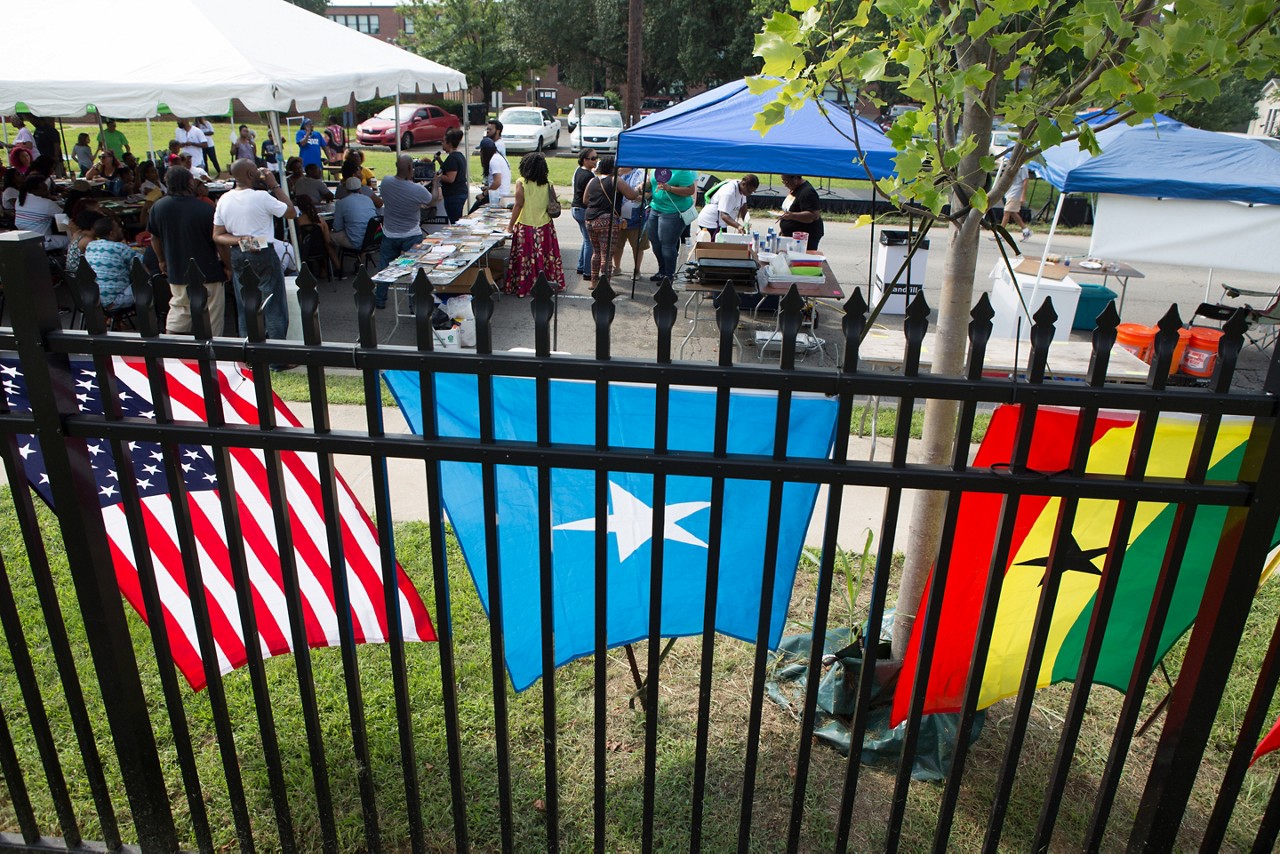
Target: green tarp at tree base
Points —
{"points": [[837, 697]]}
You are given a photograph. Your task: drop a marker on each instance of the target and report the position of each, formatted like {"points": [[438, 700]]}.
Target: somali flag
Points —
{"points": [[752, 416]]}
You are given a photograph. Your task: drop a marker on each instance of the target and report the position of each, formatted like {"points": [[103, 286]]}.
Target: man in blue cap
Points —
{"points": [[310, 145]]}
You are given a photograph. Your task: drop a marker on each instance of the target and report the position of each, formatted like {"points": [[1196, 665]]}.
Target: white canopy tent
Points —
{"points": [[201, 54]]}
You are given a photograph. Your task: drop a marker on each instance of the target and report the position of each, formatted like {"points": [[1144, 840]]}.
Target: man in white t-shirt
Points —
{"points": [[245, 221], [25, 137], [725, 205], [493, 130], [192, 142], [502, 189]]}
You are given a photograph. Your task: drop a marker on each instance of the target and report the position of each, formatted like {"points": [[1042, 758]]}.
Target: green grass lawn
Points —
{"points": [[575, 727]]}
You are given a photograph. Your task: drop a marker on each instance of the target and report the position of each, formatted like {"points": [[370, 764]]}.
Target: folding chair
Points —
{"points": [[364, 253], [311, 245], [1263, 323]]}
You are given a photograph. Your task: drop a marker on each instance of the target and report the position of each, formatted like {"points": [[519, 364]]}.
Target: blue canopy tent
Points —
{"points": [[713, 132], [1171, 193], [1168, 160]]}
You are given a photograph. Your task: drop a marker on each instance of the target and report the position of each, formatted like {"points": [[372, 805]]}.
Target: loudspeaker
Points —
{"points": [[1076, 211]]}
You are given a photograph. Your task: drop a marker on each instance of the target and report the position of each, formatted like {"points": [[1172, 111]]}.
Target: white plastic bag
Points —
{"points": [[459, 307]]}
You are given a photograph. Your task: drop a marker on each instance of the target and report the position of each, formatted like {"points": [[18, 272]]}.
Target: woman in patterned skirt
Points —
{"points": [[604, 197], [534, 246]]}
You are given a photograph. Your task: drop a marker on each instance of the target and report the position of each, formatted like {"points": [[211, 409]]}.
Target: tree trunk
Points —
{"points": [[635, 60], [938, 434]]}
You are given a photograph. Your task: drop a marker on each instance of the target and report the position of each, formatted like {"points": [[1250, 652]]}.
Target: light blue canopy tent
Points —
{"points": [[1171, 193], [713, 132], [1169, 160]]}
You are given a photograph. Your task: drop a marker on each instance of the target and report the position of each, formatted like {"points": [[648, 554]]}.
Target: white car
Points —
{"points": [[529, 129], [589, 102], [599, 130]]}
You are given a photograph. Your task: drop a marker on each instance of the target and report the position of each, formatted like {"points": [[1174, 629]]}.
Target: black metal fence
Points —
{"points": [[389, 748]]}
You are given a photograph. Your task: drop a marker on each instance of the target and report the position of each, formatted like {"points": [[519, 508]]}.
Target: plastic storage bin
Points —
{"points": [[892, 251], [1093, 299], [1008, 305]]}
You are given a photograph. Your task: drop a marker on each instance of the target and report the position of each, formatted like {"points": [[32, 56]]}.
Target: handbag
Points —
{"points": [[553, 203], [689, 214]]}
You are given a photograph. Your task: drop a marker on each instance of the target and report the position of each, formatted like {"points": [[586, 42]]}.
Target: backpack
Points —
{"points": [[713, 189], [337, 135]]}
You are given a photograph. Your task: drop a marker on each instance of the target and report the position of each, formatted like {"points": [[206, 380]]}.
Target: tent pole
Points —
{"points": [[151, 144], [871, 251], [1208, 283], [644, 226], [466, 115], [1053, 227], [62, 134], [464, 142], [4, 130], [274, 118], [102, 134]]}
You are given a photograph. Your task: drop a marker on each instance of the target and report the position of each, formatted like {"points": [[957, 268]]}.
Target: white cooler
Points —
{"points": [[1009, 308]]}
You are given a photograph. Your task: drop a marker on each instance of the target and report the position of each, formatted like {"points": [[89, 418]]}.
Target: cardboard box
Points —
{"points": [[448, 339], [1029, 266], [736, 251]]}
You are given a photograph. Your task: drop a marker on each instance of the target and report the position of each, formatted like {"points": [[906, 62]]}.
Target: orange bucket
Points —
{"points": [[1201, 355], [1184, 338], [1137, 339]]}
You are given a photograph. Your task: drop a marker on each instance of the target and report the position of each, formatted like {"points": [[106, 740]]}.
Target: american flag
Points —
{"points": [[308, 523]]}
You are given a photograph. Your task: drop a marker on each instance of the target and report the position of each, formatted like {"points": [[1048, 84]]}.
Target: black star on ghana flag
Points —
{"points": [[1071, 558]]}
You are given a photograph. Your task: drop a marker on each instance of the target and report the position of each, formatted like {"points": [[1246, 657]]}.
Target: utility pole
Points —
{"points": [[635, 60]]}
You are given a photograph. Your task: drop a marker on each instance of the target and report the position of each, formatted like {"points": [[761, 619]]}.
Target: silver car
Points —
{"points": [[599, 129]]}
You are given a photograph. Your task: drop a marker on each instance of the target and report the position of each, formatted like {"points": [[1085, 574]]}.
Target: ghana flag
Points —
{"points": [[1080, 560]]}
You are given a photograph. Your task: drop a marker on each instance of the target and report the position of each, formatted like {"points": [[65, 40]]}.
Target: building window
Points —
{"points": [[369, 24], [408, 26]]}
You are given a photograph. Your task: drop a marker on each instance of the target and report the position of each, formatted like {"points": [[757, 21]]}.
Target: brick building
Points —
{"points": [[377, 19]]}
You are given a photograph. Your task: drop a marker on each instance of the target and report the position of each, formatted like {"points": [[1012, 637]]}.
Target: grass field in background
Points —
{"points": [[561, 163]]}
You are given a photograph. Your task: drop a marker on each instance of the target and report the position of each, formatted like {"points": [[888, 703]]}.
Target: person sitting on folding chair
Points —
{"points": [[351, 214], [111, 260]]}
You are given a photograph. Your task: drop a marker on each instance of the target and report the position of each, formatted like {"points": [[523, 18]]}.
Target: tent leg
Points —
{"points": [[102, 138], [4, 131], [644, 220], [1053, 227], [871, 251], [398, 131], [66, 152], [1208, 283], [151, 143], [274, 118]]}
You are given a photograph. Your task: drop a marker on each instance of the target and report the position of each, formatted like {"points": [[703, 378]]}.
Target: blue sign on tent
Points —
{"points": [[629, 524]]}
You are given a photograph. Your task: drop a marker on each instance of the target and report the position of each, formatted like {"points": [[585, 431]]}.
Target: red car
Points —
{"points": [[418, 123]]}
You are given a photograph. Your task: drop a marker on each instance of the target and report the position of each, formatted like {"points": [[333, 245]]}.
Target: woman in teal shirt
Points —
{"points": [[673, 191]]}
